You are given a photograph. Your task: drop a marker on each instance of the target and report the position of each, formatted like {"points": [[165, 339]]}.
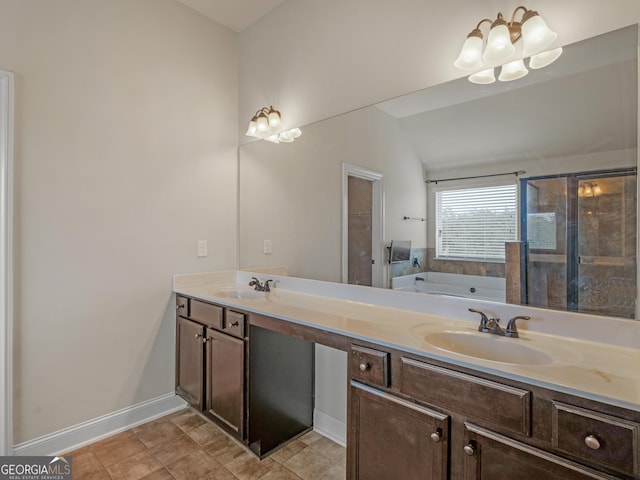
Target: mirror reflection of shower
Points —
{"points": [[580, 231]]}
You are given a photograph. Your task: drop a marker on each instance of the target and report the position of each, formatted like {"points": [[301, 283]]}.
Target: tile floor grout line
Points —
{"points": [[317, 457]]}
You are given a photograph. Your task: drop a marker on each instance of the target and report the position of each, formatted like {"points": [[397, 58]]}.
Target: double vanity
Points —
{"points": [[429, 395]]}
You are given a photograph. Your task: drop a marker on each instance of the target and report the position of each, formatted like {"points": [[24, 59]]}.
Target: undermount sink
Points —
{"points": [[488, 347], [241, 294]]}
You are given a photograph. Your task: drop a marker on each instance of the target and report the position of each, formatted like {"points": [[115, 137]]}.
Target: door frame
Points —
{"points": [[6, 265], [377, 227]]}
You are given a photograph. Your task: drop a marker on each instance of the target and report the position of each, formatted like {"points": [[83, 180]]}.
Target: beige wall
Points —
{"points": [[126, 115]]}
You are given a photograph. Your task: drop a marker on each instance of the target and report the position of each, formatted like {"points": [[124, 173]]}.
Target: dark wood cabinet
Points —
{"points": [[393, 438], [225, 376], [258, 386], [486, 426], [189, 361], [491, 456], [210, 361]]}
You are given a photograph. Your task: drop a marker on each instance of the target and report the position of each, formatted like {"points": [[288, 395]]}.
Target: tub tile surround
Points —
{"points": [[407, 268], [595, 357]]}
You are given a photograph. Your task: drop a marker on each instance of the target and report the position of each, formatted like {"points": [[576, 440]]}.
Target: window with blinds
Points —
{"points": [[474, 223]]}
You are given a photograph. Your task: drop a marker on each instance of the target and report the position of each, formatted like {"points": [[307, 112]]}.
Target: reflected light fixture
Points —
{"points": [[500, 47], [588, 189], [267, 125]]}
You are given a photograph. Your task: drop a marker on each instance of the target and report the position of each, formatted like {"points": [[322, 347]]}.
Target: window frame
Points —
{"points": [[485, 183]]}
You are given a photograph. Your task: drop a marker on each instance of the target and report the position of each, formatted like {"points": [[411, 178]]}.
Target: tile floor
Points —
{"points": [[185, 446]]}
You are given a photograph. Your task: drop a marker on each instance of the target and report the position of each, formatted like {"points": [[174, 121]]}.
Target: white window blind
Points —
{"points": [[474, 223]]}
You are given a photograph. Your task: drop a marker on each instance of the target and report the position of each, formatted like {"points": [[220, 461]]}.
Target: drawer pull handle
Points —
{"points": [[364, 367], [470, 449], [233, 324], [436, 436], [592, 442], [178, 307]]}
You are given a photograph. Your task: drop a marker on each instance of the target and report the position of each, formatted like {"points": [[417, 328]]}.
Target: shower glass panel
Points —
{"points": [[607, 245], [580, 230], [546, 235]]}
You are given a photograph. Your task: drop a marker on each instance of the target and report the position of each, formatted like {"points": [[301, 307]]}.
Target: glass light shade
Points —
{"points": [[253, 127], [597, 190], [513, 71], [274, 120], [544, 59], [470, 56], [273, 138], [294, 132], [499, 47], [484, 77], [284, 137], [536, 35], [262, 124], [588, 191]]}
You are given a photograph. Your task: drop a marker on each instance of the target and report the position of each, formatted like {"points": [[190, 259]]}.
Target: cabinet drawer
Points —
{"points": [[234, 323], [182, 306], [597, 438], [207, 314], [500, 405], [369, 365]]}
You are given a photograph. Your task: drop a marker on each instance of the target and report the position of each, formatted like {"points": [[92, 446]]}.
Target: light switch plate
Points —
{"points": [[202, 248], [267, 247]]}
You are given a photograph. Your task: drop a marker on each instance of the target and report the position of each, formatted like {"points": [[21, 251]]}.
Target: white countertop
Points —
{"points": [[604, 372]]}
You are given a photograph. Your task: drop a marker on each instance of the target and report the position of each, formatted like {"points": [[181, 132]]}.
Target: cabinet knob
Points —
{"points": [[364, 367], [178, 307], [233, 324], [198, 335], [470, 449], [436, 436], [592, 442]]}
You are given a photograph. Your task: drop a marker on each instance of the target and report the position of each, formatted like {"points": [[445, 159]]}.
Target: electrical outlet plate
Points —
{"points": [[267, 247], [202, 248]]}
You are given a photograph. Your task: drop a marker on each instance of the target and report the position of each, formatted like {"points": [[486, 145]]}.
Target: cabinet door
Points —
{"points": [[189, 356], [225, 380], [491, 456], [394, 439]]}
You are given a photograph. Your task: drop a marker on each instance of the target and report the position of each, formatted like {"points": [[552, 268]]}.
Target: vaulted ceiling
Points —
{"points": [[235, 14]]}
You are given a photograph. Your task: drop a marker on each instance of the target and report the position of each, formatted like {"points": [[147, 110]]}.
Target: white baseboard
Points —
{"points": [[76, 436], [330, 427]]}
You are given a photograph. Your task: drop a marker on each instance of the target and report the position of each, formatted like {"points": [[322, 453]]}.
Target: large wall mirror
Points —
{"points": [[562, 140]]}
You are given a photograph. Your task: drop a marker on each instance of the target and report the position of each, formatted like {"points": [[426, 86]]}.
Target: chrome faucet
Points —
{"points": [[492, 325], [260, 287]]}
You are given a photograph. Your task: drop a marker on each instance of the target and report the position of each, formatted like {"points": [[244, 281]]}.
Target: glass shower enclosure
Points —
{"points": [[580, 230]]}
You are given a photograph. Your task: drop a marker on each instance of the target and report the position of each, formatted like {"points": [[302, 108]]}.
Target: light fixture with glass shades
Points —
{"points": [[267, 125], [589, 189], [500, 48]]}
